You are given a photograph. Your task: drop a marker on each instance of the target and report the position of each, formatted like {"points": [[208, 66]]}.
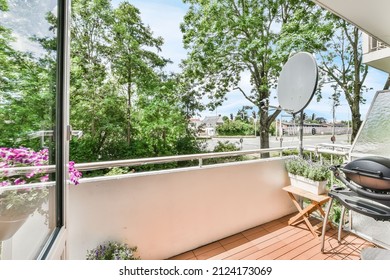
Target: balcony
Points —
{"points": [[371, 18], [234, 210], [376, 54]]}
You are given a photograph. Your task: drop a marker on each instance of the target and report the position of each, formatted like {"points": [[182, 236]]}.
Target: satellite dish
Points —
{"points": [[297, 82]]}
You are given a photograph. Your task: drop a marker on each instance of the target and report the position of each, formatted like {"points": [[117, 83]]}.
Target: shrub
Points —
{"points": [[112, 250]]}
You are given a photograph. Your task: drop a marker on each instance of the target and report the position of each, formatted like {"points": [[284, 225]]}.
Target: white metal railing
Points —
{"points": [[144, 161], [375, 45], [129, 162], [169, 159], [332, 149]]}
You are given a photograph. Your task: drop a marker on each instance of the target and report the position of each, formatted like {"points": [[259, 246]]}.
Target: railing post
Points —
{"points": [[200, 162]]}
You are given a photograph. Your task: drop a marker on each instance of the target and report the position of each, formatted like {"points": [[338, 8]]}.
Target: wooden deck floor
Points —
{"points": [[277, 240]]}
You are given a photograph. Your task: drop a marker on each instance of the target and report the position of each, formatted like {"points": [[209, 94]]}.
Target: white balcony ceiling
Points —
{"points": [[370, 16]]}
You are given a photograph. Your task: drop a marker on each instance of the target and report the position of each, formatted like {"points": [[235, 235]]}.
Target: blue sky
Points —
{"points": [[164, 18]]}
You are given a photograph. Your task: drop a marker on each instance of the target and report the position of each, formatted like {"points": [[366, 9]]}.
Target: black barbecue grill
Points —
{"points": [[366, 190]]}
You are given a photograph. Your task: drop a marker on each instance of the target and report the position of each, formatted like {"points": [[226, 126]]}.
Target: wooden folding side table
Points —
{"points": [[316, 202]]}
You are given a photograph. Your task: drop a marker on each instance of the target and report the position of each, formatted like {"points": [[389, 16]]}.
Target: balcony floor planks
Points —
{"points": [[277, 240]]}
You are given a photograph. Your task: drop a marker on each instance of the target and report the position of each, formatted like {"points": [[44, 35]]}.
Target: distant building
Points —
{"points": [[208, 126], [195, 123], [291, 129]]}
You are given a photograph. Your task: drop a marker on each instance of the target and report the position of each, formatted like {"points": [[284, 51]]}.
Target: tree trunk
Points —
{"points": [[129, 108], [356, 121], [264, 132]]}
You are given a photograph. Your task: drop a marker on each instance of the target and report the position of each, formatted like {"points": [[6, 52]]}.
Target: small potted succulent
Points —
{"points": [[112, 250], [308, 175], [21, 194]]}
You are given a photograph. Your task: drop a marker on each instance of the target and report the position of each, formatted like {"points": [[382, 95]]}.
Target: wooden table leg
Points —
{"points": [[303, 213]]}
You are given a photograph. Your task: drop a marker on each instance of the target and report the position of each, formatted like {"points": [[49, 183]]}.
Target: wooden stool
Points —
{"points": [[316, 202]]}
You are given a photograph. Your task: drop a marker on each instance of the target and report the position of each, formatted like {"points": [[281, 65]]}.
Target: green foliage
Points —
{"points": [[27, 81], [3, 5], [117, 171], [295, 152], [225, 39], [234, 128], [339, 52], [308, 30], [120, 97], [344, 66], [272, 129], [16, 203], [308, 169], [225, 146], [112, 250]]}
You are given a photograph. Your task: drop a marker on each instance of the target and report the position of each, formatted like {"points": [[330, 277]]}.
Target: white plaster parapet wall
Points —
{"points": [[165, 213]]}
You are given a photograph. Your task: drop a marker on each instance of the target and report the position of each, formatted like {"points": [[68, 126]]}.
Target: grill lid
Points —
{"points": [[371, 172]]}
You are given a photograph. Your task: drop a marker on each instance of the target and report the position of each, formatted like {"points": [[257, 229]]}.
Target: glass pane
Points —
{"points": [[367, 226], [374, 137], [27, 113]]}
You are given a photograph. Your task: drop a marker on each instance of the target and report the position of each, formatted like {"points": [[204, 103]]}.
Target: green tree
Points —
{"points": [[242, 114], [226, 39], [338, 46], [342, 64], [134, 63], [27, 79], [90, 83], [235, 128], [121, 99], [161, 123], [6, 56]]}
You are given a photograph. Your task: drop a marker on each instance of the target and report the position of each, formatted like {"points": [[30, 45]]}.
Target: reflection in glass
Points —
{"points": [[374, 136], [27, 110]]}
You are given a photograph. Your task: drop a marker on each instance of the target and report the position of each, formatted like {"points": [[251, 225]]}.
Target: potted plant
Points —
{"points": [[18, 203], [112, 250], [307, 175]]}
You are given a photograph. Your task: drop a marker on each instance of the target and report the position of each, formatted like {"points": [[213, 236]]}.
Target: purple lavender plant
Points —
{"points": [[112, 250]]}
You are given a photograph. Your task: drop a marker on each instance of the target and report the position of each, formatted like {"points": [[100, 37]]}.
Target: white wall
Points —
{"points": [[365, 43], [169, 212]]}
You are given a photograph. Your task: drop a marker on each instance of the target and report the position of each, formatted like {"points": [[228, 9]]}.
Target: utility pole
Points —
{"points": [[301, 134], [335, 103], [334, 116], [254, 124]]}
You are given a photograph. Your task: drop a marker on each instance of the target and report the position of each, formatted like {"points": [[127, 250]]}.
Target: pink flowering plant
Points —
{"points": [[25, 200]]}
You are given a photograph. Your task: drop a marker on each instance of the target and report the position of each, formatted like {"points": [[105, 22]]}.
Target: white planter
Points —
{"points": [[315, 187]]}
